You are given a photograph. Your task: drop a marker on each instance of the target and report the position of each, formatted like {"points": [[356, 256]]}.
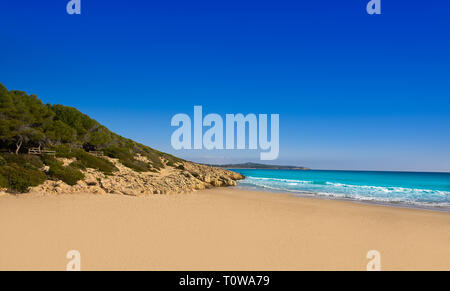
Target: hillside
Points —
{"points": [[68, 147]]}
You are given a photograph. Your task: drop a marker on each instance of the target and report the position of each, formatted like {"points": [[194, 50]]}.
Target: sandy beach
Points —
{"points": [[217, 229]]}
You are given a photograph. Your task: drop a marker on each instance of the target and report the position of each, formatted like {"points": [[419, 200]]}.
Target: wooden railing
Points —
{"points": [[38, 151]]}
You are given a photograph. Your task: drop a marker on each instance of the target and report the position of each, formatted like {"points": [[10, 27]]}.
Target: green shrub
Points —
{"points": [[121, 153], [78, 165], [35, 161], [90, 161], [154, 158], [17, 180], [126, 157], [20, 172], [51, 161], [3, 182], [181, 167], [63, 151], [85, 159], [136, 165], [20, 179], [2, 161], [23, 159], [68, 174]]}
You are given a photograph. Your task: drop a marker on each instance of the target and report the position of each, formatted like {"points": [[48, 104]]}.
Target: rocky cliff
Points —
{"points": [[182, 177]]}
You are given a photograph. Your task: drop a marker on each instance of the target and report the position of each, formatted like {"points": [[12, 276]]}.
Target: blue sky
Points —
{"points": [[354, 91]]}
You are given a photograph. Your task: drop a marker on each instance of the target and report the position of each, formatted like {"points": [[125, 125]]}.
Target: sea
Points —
{"points": [[410, 189]]}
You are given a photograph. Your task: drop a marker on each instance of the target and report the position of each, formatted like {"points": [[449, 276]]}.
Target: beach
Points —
{"points": [[216, 229]]}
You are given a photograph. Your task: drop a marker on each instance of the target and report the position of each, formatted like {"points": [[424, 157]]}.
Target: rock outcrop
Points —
{"points": [[181, 177]]}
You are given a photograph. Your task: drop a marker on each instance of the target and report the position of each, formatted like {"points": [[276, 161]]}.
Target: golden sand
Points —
{"points": [[218, 229]]}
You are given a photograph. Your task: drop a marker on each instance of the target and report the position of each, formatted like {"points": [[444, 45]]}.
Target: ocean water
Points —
{"points": [[400, 188]]}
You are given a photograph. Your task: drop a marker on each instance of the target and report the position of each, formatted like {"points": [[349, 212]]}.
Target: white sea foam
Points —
{"points": [[400, 195]]}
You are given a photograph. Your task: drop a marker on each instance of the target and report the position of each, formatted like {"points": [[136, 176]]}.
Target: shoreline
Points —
{"points": [[311, 195], [216, 229]]}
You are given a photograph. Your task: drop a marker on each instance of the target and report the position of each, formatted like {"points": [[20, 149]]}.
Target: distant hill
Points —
{"points": [[259, 166]]}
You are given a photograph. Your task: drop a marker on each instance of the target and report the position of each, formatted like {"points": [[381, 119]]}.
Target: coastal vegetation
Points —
{"points": [[27, 123]]}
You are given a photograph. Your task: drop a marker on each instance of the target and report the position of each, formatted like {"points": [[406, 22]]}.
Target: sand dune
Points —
{"points": [[217, 229]]}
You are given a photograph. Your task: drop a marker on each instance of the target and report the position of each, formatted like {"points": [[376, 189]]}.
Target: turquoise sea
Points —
{"points": [[404, 188]]}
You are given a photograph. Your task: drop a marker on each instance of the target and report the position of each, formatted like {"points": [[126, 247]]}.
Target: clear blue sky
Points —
{"points": [[353, 91]]}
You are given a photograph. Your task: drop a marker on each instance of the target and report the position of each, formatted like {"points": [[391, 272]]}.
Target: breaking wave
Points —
{"points": [[383, 194]]}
